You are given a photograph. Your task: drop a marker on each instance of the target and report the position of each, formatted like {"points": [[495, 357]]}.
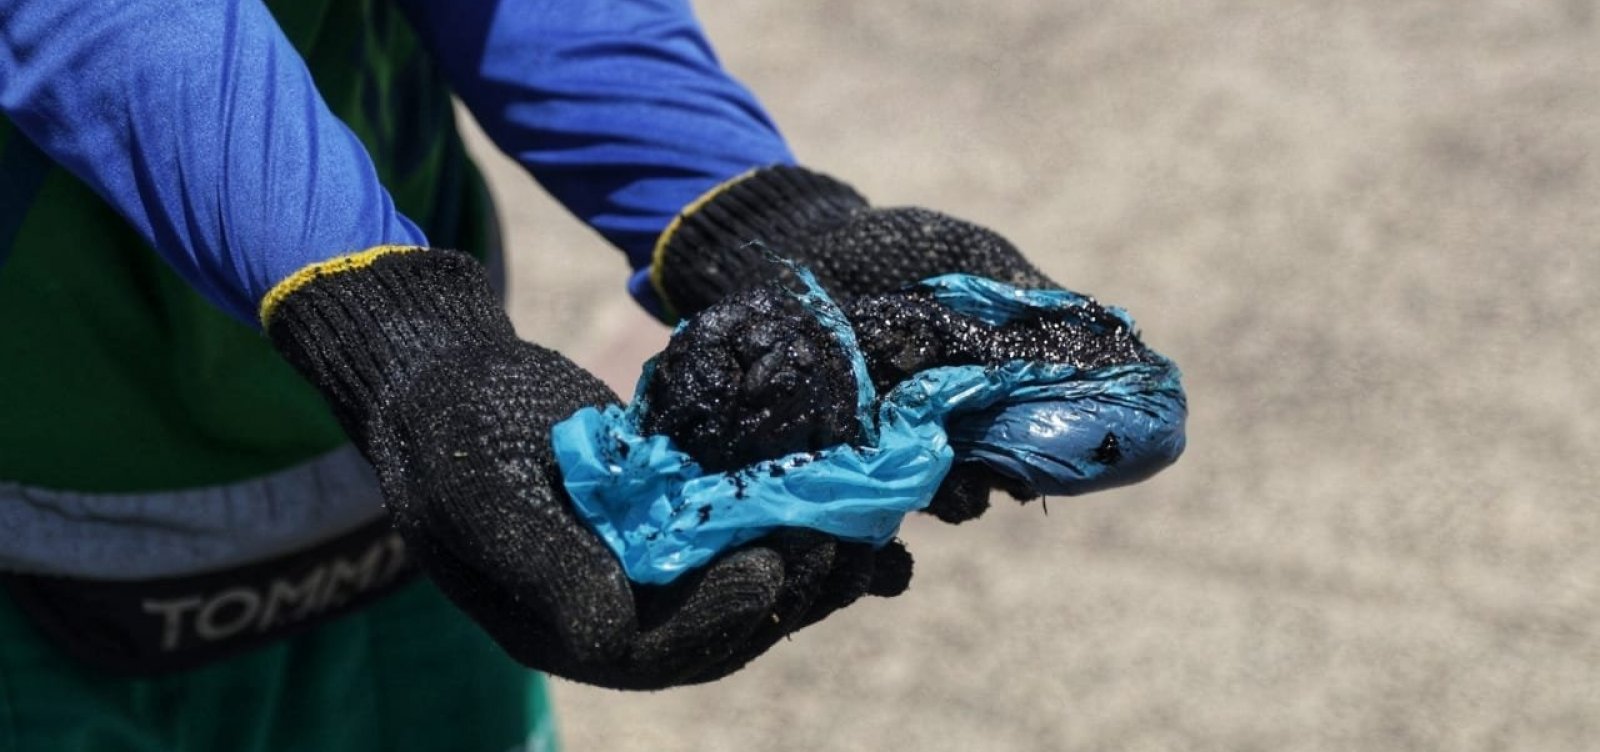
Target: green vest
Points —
{"points": [[115, 376]]}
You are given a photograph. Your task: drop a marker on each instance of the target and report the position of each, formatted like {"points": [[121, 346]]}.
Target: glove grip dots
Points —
{"points": [[420, 364]]}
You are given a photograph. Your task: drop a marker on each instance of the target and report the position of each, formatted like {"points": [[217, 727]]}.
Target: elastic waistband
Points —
{"points": [[177, 533], [169, 624]]}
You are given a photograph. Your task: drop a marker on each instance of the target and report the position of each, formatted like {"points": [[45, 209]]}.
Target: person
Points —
{"points": [[214, 535]]}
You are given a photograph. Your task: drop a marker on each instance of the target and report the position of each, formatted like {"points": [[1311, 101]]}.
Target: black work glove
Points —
{"points": [[423, 370], [854, 249]]}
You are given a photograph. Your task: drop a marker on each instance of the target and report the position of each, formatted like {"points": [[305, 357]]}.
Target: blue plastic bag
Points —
{"points": [[1061, 429]]}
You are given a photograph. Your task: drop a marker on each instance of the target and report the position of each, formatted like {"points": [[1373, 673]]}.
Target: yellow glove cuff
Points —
{"points": [[657, 255], [335, 265]]}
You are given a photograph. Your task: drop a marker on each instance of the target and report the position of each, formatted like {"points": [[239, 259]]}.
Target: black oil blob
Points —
{"points": [[754, 377], [757, 377], [1108, 453]]}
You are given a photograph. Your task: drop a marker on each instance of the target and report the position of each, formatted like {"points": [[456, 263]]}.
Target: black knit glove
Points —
{"points": [[423, 370], [853, 249]]}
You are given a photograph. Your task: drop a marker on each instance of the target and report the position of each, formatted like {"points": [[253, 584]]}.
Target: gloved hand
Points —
{"points": [[424, 371], [853, 249]]}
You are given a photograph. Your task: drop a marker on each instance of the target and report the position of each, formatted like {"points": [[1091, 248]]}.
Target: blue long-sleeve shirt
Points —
{"points": [[201, 126]]}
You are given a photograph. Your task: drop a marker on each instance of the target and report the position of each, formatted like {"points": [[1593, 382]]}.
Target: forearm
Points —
{"points": [[200, 125], [620, 109]]}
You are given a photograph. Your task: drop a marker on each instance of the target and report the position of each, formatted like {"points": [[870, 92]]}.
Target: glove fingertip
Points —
{"points": [[963, 496], [891, 570]]}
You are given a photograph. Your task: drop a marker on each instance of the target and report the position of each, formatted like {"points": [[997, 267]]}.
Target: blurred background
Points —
{"points": [[1369, 232]]}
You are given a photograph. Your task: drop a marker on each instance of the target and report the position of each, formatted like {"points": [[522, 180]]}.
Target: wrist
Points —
{"points": [[358, 326], [698, 259]]}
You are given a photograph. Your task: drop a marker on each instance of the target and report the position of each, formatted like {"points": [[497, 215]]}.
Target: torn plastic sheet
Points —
{"points": [[1062, 429]]}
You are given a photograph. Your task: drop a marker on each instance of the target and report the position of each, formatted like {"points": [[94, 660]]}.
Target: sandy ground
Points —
{"points": [[1367, 231]]}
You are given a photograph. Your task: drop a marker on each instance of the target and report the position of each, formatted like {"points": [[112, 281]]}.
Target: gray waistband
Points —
{"points": [[139, 536]]}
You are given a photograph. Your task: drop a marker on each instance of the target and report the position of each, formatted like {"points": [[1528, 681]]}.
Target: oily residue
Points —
{"points": [[906, 332], [754, 377], [757, 377]]}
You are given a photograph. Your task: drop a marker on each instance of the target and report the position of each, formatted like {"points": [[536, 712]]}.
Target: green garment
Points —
{"points": [[408, 674], [121, 378]]}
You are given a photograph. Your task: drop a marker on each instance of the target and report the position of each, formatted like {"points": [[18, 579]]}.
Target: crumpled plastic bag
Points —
{"points": [[1061, 429], [1065, 431]]}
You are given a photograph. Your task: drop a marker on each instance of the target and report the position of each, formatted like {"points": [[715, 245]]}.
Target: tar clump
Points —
{"points": [[757, 377], [754, 377], [906, 332]]}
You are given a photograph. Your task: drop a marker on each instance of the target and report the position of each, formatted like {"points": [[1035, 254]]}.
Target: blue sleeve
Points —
{"points": [[618, 107], [199, 123]]}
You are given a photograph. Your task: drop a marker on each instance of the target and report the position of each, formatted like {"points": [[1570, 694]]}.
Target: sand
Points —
{"points": [[1367, 231]]}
